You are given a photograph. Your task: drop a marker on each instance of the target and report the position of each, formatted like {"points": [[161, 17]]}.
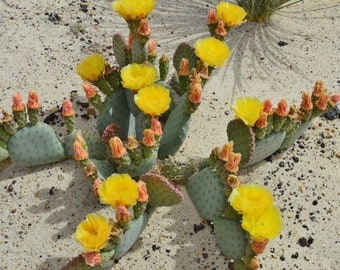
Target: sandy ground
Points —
{"points": [[41, 42]]}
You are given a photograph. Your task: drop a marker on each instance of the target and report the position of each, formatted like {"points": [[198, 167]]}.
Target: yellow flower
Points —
{"points": [[212, 51], [133, 9], [118, 189], [137, 76], [93, 232], [250, 198], [153, 99], [230, 14], [248, 109], [92, 67], [267, 226]]}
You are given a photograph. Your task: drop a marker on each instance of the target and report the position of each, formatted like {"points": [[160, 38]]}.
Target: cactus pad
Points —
{"points": [[184, 50], [291, 138], [78, 263], [231, 238], [138, 52], [207, 193], [120, 50], [266, 147], [36, 145], [115, 111], [3, 154], [104, 168], [161, 191]]}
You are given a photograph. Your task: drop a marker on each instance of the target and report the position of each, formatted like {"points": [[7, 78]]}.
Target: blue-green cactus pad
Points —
{"points": [[120, 50], [36, 145], [185, 50], [3, 154], [175, 130], [115, 111], [266, 147], [207, 193], [131, 235], [96, 148], [104, 168], [291, 138], [231, 238], [161, 191]]}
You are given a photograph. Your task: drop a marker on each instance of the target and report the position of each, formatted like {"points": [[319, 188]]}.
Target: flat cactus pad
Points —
{"points": [[161, 191], [185, 50], [291, 138], [207, 193]]}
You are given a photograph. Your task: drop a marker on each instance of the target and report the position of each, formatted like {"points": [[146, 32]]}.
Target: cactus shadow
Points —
{"points": [[52, 263]]}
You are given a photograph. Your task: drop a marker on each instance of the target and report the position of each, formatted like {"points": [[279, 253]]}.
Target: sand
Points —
{"points": [[42, 41]]}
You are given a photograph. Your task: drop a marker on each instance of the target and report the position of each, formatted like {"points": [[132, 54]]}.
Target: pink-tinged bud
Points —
{"points": [[227, 149], [268, 107], [202, 69], [335, 99], [144, 28], [322, 101], [33, 100], [233, 181], [152, 48], [233, 162], [67, 109], [117, 148], [282, 108], [156, 126], [262, 122], [17, 106], [306, 103], [110, 131], [130, 40], [149, 138], [254, 263], [95, 186], [212, 16], [143, 195], [258, 247], [92, 258], [123, 214], [132, 143], [184, 67], [80, 153], [318, 89], [220, 29], [89, 90]]}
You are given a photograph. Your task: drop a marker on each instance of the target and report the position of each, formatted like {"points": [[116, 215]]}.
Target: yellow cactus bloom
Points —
{"points": [[248, 109], [91, 68], [250, 198], [93, 232], [230, 14], [212, 51], [137, 76], [118, 189], [266, 227], [153, 99], [133, 9]]}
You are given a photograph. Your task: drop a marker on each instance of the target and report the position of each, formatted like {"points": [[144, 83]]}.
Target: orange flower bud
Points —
{"points": [[195, 95], [130, 40], [306, 103], [144, 28], [67, 109], [143, 195], [268, 107], [17, 106], [117, 147], [262, 122], [318, 89], [92, 258], [96, 185], [152, 48], [132, 143], [233, 181], [89, 90], [123, 214], [322, 101], [212, 16], [149, 138], [80, 153], [220, 29], [184, 67], [227, 149], [335, 99], [282, 108], [233, 162], [78, 138], [33, 100], [258, 247], [156, 126]]}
